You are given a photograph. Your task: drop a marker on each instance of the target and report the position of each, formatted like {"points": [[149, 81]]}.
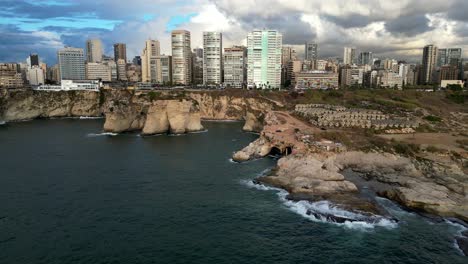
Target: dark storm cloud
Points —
{"points": [[408, 25], [459, 11], [349, 21]]}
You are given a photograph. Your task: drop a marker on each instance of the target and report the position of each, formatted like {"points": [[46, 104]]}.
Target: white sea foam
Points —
{"points": [[2, 123], [322, 209], [91, 117], [102, 134]]}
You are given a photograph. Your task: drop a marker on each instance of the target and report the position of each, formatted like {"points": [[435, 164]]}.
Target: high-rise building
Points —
{"points": [[53, 74], [366, 58], [197, 66], [71, 63], [112, 66], [441, 57], [120, 52], [454, 56], [164, 70], [137, 60], [288, 54], [98, 71], [235, 69], [429, 60], [349, 56], [264, 59], [150, 52], [181, 57], [94, 50], [121, 70], [212, 57], [351, 76], [311, 51], [35, 75], [33, 60]]}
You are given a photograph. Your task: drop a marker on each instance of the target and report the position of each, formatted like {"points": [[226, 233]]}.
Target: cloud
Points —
{"points": [[408, 25], [397, 28]]}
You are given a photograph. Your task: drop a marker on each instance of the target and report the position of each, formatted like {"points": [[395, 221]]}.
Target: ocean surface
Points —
{"points": [[70, 194]]}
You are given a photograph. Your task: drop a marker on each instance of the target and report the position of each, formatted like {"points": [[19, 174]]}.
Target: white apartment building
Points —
{"points": [[212, 57], [264, 59], [181, 57]]}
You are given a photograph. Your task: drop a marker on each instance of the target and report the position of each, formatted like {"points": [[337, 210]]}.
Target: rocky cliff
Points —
{"points": [[28, 104], [151, 112]]}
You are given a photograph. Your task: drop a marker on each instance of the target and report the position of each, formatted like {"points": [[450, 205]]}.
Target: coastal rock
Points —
{"points": [[316, 173], [216, 106], [160, 116], [28, 104], [253, 122], [307, 175], [257, 149], [183, 117], [463, 244], [156, 120]]}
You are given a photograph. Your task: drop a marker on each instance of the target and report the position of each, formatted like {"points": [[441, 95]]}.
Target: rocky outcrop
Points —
{"points": [[29, 104], [156, 117], [315, 173]]}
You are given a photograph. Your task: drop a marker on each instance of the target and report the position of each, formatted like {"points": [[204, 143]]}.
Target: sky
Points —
{"points": [[389, 28]]}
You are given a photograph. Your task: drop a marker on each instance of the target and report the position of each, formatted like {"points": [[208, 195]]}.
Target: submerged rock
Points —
{"points": [[462, 242]]}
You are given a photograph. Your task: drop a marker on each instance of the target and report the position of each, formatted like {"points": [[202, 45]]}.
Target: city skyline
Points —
{"points": [[398, 29]]}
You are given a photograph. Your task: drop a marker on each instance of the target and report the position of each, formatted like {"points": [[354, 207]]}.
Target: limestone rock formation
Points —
{"points": [[29, 104], [161, 116]]}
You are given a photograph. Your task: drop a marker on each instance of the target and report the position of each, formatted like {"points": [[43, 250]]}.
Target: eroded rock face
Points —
{"points": [[253, 122], [161, 116], [29, 104]]}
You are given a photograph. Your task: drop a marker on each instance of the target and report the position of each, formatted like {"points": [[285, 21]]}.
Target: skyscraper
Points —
{"points": [[235, 70], [33, 60], [181, 57], [366, 58], [212, 57], [264, 59], [120, 52], [94, 50], [428, 64], [454, 56], [197, 66], [441, 57], [71, 63], [349, 57], [311, 51], [150, 52]]}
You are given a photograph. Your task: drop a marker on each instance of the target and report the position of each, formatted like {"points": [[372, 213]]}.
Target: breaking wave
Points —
{"points": [[325, 211], [103, 134], [2, 123]]}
